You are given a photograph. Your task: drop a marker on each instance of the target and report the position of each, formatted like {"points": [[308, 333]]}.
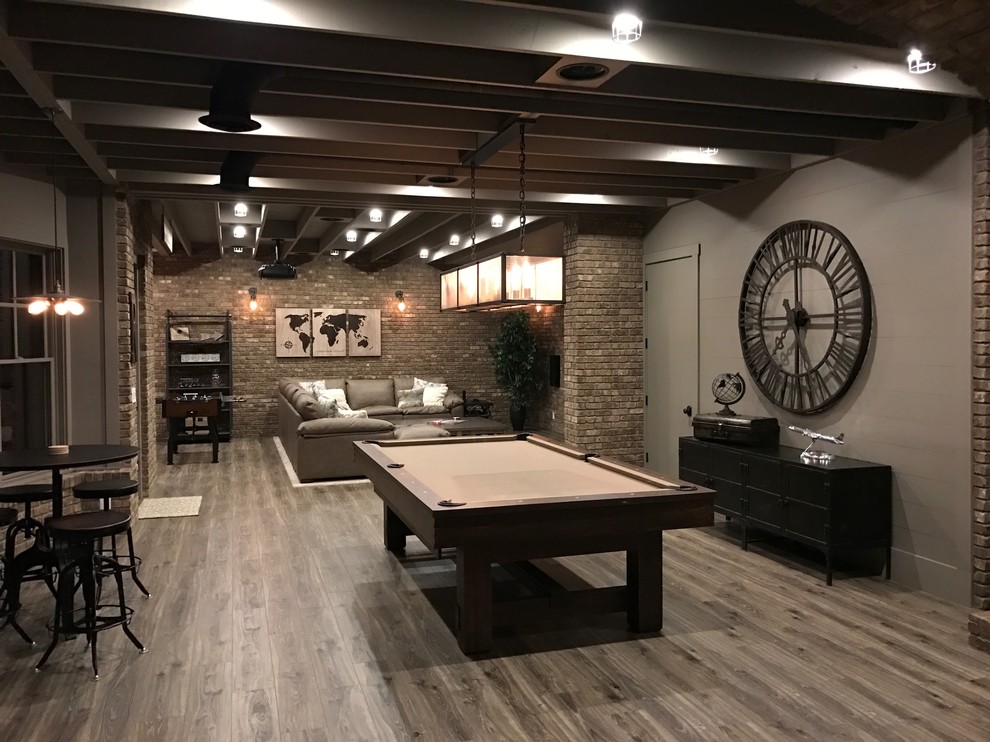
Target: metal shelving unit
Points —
{"points": [[199, 359]]}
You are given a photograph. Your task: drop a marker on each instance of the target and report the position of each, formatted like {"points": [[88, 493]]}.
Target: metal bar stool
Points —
{"points": [[74, 541], [15, 574], [105, 490]]}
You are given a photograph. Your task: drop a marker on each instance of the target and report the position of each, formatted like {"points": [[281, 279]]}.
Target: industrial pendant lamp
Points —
{"points": [[57, 300]]}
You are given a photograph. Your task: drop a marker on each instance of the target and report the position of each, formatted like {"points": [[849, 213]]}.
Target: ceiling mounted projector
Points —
{"points": [[278, 269]]}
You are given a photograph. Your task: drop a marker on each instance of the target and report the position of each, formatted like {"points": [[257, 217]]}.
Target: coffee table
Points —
{"points": [[474, 426]]}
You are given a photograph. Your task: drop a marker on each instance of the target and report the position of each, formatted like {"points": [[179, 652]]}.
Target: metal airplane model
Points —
{"points": [[818, 457]]}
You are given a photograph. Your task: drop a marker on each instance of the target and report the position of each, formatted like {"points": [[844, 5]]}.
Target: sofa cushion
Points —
{"points": [[424, 410], [328, 426], [381, 410], [362, 393], [452, 400], [420, 431], [308, 406]]}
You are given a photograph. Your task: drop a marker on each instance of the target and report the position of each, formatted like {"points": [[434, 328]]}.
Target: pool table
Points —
{"points": [[508, 499]]}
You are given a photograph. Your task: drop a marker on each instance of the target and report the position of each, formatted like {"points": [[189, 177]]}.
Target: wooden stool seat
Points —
{"points": [[105, 488], [88, 526], [26, 493]]}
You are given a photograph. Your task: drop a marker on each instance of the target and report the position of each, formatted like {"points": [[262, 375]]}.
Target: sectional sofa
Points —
{"points": [[320, 447]]}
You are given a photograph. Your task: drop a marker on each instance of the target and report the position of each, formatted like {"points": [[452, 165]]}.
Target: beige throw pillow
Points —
{"points": [[433, 394]]}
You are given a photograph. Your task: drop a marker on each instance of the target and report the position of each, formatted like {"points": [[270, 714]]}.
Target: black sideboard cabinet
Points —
{"points": [[842, 505]]}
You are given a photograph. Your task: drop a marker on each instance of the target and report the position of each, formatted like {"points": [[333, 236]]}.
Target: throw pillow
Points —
{"points": [[313, 386], [419, 383], [343, 409], [328, 405], [410, 398], [433, 394]]}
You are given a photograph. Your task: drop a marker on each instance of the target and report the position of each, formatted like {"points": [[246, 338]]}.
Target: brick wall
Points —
{"points": [[603, 337], [128, 215], [979, 624], [419, 341]]}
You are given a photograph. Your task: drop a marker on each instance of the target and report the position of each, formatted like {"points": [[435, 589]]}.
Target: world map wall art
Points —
{"points": [[327, 332]]}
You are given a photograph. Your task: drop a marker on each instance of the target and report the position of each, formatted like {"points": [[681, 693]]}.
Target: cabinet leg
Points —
{"points": [[886, 574], [744, 538]]}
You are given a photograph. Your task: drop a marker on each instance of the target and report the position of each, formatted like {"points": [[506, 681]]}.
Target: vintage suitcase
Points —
{"points": [[739, 429]]}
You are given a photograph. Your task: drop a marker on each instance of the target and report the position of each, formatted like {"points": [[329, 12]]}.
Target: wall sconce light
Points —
{"points": [[401, 305], [496, 221], [253, 294], [375, 215], [351, 235], [626, 28]]}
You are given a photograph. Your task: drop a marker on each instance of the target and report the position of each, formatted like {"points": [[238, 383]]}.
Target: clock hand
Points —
{"points": [[778, 343]]}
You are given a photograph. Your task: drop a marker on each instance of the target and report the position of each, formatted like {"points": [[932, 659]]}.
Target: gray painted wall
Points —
{"points": [[26, 215], [905, 205]]}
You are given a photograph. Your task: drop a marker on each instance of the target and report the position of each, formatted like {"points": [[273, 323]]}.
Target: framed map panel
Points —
{"points": [[364, 332], [329, 332], [293, 333]]}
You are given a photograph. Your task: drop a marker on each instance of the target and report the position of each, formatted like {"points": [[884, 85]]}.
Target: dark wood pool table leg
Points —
{"points": [[644, 581], [395, 531], [474, 599]]}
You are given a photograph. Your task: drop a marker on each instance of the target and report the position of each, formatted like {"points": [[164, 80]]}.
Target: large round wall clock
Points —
{"points": [[805, 315]]}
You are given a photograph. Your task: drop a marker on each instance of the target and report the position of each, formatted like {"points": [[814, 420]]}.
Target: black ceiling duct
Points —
{"points": [[279, 269], [236, 169], [231, 96]]}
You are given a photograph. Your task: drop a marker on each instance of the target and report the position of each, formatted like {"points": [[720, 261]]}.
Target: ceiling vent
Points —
{"points": [[236, 169], [278, 269], [231, 96]]}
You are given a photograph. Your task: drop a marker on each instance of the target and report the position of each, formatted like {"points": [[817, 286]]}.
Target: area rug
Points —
{"points": [[294, 480], [169, 507]]}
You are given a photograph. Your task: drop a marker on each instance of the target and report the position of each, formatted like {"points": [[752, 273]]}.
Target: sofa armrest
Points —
{"points": [[454, 403]]}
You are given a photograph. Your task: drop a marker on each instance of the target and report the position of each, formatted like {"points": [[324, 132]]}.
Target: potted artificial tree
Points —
{"points": [[517, 369]]}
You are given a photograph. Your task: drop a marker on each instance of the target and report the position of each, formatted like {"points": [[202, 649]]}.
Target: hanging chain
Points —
{"points": [[472, 210], [57, 267], [522, 187]]}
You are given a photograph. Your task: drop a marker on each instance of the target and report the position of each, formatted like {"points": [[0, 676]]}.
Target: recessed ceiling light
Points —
{"points": [[496, 220], [424, 253], [237, 249], [239, 232], [582, 71], [334, 253], [240, 209], [626, 28], [455, 240], [708, 151], [917, 64], [375, 215], [351, 235]]}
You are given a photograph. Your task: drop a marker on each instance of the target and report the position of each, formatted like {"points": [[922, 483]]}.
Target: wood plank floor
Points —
{"points": [[278, 615]]}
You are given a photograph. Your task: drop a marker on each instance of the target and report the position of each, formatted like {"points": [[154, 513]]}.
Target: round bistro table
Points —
{"points": [[39, 459]]}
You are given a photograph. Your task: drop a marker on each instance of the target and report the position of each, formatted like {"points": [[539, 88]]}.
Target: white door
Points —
{"points": [[671, 365]]}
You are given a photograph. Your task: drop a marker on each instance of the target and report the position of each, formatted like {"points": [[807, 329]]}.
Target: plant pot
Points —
{"points": [[517, 416]]}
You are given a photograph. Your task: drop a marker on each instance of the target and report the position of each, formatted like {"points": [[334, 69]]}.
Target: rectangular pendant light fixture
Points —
{"points": [[501, 282]]}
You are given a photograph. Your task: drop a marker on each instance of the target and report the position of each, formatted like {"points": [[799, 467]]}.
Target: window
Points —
{"points": [[25, 360]]}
